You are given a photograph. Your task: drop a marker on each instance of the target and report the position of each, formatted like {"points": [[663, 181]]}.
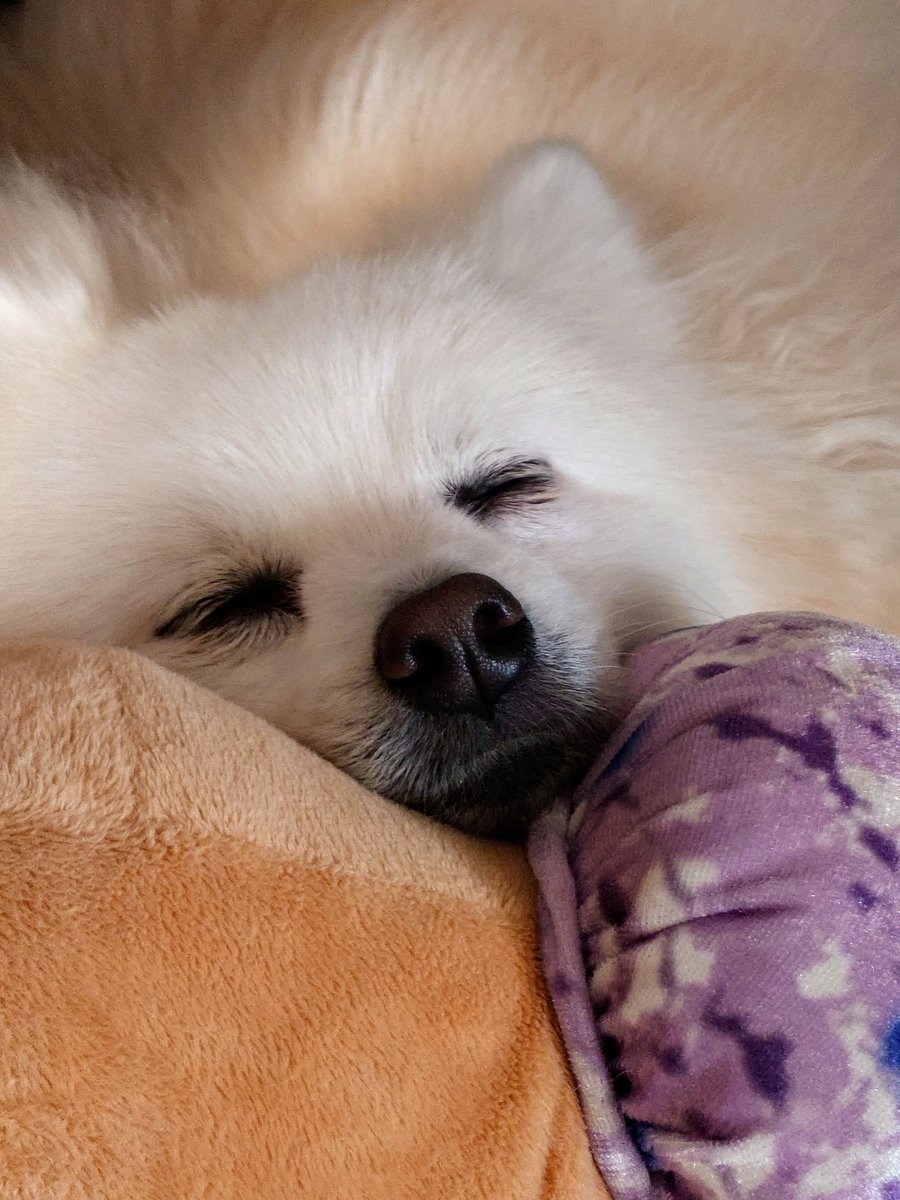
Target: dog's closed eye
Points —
{"points": [[496, 489], [264, 600]]}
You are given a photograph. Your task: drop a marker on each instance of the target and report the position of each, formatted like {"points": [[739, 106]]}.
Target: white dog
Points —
{"points": [[319, 388]]}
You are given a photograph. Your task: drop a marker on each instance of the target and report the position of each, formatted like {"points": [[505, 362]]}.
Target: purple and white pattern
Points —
{"points": [[720, 907]]}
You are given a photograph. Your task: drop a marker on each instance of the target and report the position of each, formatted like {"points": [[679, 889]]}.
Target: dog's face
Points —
{"points": [[410, 509]]}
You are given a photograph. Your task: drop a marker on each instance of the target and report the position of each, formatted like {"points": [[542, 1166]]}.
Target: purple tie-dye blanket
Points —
{"points": [[721, 918]]}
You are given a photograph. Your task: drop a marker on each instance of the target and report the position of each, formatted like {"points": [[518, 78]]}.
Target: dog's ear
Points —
{"points": [[547, 219], [53, 281]]}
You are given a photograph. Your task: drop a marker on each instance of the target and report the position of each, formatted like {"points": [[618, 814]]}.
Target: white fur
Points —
{"points": [[174, 403]]}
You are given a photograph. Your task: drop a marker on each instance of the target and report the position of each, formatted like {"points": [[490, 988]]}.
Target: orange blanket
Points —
{"points": [[228, 971]]}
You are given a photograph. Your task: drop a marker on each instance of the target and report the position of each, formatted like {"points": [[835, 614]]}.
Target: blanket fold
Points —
{"points": [[226, 970]]}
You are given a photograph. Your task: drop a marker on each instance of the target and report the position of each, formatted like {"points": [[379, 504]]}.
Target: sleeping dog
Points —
{"points": [[394, 368]]}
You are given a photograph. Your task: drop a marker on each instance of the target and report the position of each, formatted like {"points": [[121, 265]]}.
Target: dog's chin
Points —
{"points": [[501, 794]]}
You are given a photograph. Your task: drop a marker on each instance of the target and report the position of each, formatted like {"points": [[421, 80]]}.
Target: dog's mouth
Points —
{"points": [[501, 790], [504, 798]]}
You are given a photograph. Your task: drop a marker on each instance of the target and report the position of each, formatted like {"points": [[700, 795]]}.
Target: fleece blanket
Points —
{"points": [[721, 910], [227, 971]]}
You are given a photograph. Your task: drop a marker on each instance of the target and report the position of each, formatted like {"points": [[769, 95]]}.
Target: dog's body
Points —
{"points": [[269, 325]]}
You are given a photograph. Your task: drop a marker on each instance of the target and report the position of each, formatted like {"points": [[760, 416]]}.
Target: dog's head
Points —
{"points": [[411, 508]]}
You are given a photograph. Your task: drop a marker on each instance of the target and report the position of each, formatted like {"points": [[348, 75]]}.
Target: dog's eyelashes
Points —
{"points": [[263, 601], [508, 486]]}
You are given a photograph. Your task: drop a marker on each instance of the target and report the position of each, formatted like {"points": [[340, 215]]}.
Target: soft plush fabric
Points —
{"points": [[227, 971], [721, 907]]}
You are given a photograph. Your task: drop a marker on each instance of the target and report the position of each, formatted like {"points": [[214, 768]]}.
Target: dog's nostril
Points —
{"points": [[498, 622], [456, 647], [399, 657], [429, 660]]}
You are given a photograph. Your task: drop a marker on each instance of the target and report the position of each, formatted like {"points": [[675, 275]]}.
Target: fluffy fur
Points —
{"points": [[273, 274]]}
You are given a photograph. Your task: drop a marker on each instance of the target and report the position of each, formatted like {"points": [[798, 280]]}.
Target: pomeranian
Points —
{"points": [[393, 368]]}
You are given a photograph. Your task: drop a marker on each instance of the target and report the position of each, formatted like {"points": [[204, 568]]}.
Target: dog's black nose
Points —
{"points": [[455, 648]]}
